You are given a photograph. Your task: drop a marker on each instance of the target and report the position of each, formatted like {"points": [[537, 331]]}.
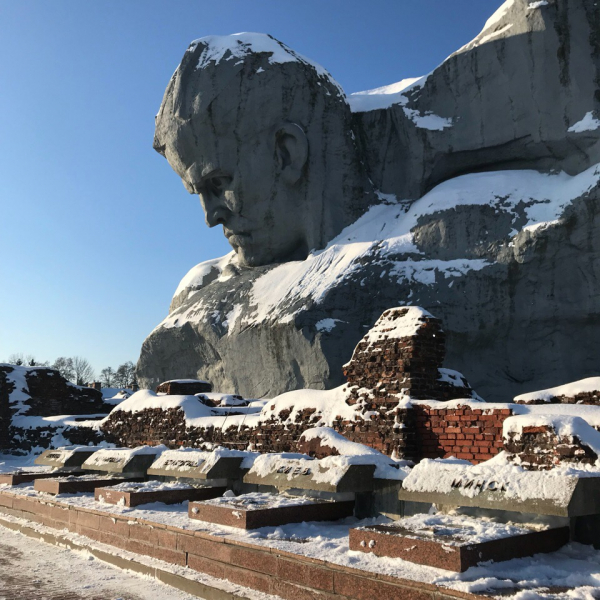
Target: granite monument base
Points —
{"points": [[135, 498], [78, 485], [236, 514], [25, 477], [449, 552]]}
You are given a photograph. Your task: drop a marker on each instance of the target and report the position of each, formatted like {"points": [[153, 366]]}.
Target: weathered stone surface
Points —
{"points": [[524, 318]]}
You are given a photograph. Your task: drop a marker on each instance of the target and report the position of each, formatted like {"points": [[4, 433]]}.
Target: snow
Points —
{"points": [[194, 279], [538, 4], [29, 567], [564, 426], [384, 235], [332, 468], [259, 501], [588, 123], [150, 486], [457, 530], [121, 455], [574, 566], [326, 325], [185, 381], [516, 483], [385, 96], [583, 386], [145, 399], [400, 327], [186, 459], [240, 45]]}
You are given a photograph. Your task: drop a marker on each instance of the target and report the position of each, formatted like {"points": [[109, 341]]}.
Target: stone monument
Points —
{"points": [[471, 191]]}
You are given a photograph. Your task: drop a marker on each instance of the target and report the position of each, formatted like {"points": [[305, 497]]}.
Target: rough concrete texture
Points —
{"points": [[517, 290]]}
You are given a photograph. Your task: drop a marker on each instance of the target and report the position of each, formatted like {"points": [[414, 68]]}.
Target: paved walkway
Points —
{"points": [[32, 570]]}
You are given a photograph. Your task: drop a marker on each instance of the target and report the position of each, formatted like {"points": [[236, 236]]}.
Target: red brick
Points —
{"points": [[465, 455], [167, 539]]}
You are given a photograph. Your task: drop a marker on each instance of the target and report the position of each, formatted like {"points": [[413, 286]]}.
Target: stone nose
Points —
{"points": [[216, 213]]}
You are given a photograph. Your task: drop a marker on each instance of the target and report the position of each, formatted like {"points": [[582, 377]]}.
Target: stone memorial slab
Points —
{"points": [[134, 494], [196, 464], [66, 458], [125, 461], [75, 484], [309, 474], [503, 487], [250, 511], [454, 543]]}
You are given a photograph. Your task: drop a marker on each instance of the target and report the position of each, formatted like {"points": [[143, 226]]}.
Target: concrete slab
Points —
{"points": [[65, 458], [23, 477]]}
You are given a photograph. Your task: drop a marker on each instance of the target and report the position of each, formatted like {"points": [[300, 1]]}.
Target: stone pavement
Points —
{"points": [[32, 570]]}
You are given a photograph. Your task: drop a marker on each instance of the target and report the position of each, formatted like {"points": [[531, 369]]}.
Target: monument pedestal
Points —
{"points": [[449, 549], [81, 484], [135, 497], [250, 511], [25, 477]]}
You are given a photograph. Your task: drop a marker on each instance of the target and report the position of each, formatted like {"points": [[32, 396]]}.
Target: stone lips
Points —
{"points": [[397, 542]]}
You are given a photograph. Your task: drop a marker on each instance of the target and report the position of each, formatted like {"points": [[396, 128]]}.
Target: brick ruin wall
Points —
{"points": [[541, 448], [50, 395], [384, 368]]}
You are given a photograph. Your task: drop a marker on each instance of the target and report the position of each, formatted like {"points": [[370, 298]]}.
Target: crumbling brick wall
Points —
{"points": [[539, 447]]}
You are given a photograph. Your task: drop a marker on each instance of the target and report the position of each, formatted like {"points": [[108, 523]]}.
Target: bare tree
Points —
{"points": [[16, 359], [107, 376], [64, 366], [82, 370], [125, 375]]}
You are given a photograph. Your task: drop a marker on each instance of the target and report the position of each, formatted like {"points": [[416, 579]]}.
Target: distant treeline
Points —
{"points": [[79, 370]]}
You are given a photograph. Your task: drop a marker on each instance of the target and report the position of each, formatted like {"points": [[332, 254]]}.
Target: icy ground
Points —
{"points": [[31, 569]]}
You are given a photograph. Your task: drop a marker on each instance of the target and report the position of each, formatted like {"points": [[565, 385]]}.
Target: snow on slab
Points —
{"points": [[497, 474], [458, 530], [588, 123], [122, 455], [150, 486], [352, 453], [570, 390], [241, 45], [186, 459], [259, 501]]}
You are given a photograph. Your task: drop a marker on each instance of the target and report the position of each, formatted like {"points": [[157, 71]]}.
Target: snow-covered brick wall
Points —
{"points": [[35, 406], [403, 355], [537, 441], [584, 391]]}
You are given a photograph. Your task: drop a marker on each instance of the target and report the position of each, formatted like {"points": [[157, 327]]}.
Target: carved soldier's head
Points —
{"points": [[264, 137]]}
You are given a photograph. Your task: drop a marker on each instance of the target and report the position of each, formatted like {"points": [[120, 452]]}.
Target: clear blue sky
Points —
{"points": [[96, 230]]}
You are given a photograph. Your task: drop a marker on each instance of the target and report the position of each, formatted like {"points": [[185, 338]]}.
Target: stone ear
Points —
{"points": [[291, 150]]}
